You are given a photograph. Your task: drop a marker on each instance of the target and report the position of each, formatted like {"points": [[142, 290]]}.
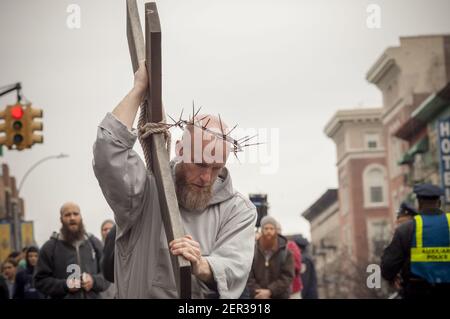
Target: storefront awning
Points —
{"points": [[420, 147]]}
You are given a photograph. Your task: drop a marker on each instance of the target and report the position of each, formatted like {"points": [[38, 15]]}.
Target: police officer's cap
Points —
{"points": [[428, 191], [406, 209]]}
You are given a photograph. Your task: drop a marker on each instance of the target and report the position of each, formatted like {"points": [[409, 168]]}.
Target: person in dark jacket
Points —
{"points": [[429, 234], [273, 264], [308, 272], [106, 228], [405, 213], [24, 280], [9, 270], [108, 255], [4, 292], [69, 263]]}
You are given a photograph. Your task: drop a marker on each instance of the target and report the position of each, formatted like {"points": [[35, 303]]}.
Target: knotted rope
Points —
{"points": [[149, 128]]}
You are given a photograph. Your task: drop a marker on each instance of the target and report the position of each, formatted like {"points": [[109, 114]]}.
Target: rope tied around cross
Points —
{"points": [[149, 128]]}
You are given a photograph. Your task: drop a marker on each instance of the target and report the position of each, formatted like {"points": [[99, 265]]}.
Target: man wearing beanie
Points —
{"points": [[273, 264]]}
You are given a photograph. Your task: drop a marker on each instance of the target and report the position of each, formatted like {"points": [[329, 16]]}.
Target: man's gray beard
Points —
{"points": [[193, 198], [190, 197]]}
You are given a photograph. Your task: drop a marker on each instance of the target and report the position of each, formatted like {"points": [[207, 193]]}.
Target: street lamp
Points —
{"points": [[62, 155], [14, 205]]}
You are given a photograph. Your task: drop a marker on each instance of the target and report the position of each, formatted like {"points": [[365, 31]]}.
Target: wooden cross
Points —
{"points": [[150, 50]]}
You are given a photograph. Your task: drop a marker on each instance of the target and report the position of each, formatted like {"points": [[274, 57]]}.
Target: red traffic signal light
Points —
{"points": [[17, 112]]}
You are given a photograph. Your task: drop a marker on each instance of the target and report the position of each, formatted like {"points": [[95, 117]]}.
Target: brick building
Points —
{"points": [[363, 181], [382, 152], [406, 76], [12, 238]]}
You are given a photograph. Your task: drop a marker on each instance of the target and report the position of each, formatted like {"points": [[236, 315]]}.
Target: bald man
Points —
{"points": [[218, 221], [69, 263]]}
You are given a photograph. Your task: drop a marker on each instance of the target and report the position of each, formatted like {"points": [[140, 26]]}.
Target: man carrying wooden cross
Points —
{"points": [[218, 221]]}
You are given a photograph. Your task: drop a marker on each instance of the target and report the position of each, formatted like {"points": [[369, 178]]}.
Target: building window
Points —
{"points": [[372, 141], [376, 194], [374, 186]]}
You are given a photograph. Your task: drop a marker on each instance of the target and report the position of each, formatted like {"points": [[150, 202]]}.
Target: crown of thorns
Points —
{"points": [[238, 145]]}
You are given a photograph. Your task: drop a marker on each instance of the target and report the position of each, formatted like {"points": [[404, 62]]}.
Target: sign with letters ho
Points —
{"points": [[444, 155]]}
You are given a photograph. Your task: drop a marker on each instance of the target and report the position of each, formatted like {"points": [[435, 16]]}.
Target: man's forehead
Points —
{"points": [[70, 208], [205, 148], [203, 139]]}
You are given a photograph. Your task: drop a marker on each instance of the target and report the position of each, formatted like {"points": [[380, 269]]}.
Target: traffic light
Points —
{"points": [[3, 134], [19, 126], [32, 114], [13, 126]]}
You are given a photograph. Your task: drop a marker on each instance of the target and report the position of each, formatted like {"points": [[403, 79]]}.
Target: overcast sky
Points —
{"points": [[280, 67]]}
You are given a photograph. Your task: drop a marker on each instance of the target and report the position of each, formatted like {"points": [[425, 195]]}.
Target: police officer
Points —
{"points": [[420, 249], [406, 212]]}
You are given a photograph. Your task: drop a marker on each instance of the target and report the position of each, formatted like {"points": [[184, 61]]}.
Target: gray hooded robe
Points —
{"points": [[224, 230]]}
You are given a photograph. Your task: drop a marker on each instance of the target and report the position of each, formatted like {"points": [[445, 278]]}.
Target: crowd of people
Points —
{"points": [[75, 264], [48, 272], [37, 274], [68, 265]]}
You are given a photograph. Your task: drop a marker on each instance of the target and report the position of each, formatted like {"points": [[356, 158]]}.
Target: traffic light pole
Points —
{"points": [[13, 87]]}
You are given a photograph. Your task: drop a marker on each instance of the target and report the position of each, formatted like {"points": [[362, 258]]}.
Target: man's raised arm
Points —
{"points": [[127, 109], [120, 172]]}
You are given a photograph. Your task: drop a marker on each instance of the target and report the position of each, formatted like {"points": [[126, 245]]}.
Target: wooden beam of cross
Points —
{"points": [[151, 52]]}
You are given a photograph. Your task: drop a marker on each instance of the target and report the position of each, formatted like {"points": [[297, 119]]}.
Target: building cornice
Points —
{"points": [[353, 115], [321, 205], [380, 68]]}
